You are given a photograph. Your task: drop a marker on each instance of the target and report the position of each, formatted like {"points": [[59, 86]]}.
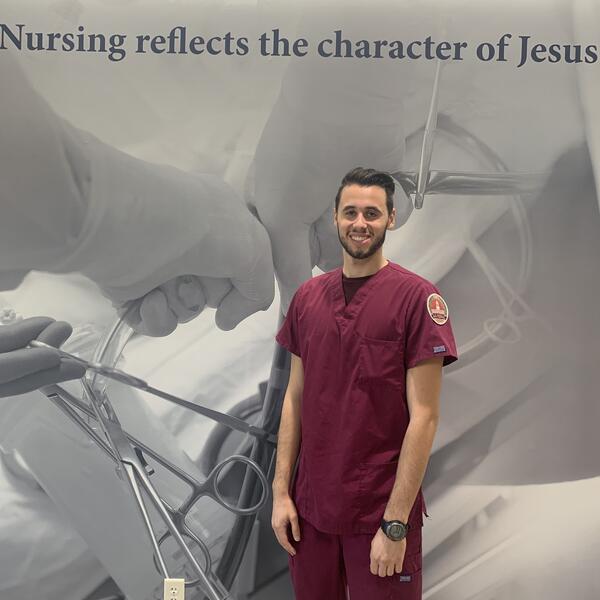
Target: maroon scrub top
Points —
{"points": [[354, 411]]}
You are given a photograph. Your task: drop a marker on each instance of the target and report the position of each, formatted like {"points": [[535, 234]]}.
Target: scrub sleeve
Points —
{"points": [[428, 330]]}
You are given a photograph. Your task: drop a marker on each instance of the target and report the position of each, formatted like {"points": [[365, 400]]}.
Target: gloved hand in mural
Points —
{"points": [[74, 204], [324, 122], [172, 243], [25, 369]]}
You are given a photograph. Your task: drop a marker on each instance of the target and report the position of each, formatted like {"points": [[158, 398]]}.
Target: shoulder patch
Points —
{"points": [[437, 309]]}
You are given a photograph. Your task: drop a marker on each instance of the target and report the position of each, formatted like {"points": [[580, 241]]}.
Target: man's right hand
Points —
{"points": [[285, 515]]}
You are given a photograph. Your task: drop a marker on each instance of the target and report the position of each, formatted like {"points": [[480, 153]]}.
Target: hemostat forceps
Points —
{"points": [[140, 384], [127, 452], [426, 181]]}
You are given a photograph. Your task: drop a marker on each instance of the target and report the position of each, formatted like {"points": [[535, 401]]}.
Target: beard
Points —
{"points": [[362, 253]]}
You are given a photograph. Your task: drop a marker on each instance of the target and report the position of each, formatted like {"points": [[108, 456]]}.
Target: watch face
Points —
{"points": [[396, 531]]}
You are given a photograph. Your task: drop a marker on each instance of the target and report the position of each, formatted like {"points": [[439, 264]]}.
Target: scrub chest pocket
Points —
{"points": [[380, 396], [382, 361]]}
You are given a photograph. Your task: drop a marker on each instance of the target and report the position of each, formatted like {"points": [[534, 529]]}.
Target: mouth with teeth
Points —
{"points": [[359, 238]]}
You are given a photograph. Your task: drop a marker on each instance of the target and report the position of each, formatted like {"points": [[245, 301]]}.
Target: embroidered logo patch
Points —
{"points": [[437, 349], [405, 578], [437, 309]]}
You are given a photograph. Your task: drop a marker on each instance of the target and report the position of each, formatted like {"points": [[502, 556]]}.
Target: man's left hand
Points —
{"points": [[387, 556]]}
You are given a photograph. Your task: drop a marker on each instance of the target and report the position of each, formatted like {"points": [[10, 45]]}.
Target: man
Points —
{"points": [[368, 342]]}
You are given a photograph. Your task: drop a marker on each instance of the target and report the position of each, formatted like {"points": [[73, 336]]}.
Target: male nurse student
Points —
{"points": [[368, 343]]}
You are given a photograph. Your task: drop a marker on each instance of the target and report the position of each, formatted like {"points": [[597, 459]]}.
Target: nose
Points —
{"points": [[360, 221]]}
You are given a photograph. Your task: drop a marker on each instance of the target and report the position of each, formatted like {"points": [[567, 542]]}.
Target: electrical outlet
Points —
{"points": [[174, 589]]}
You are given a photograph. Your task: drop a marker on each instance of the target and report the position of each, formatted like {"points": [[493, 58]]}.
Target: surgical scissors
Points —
{"points": [[127, 452]]}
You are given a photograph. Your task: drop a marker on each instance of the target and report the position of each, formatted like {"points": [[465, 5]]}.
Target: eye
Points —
{"points": [[372, 214], [350, 212]]}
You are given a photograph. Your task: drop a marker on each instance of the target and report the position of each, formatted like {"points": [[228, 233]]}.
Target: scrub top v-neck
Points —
{"points": [[354, 412], [351, 285]]}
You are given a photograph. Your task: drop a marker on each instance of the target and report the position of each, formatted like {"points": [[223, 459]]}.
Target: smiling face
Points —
{"points": [[362, 219]]}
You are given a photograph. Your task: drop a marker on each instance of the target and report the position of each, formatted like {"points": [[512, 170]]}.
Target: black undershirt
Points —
{"points": [[352, 285]]}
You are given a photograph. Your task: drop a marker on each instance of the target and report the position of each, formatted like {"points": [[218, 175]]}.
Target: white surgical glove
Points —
{"points": [[323, 124], [170, 243]]}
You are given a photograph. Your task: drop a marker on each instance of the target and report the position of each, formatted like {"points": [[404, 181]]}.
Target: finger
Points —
{"points": [[156, 318], [373, 567], [390, 570], [215, 289], [19, 334], [25, 361], [66, 370], [149, 315], [381, 570], [281, 535], [234, 309], [185, 297], [69, 369], [56, 334], [295, 527], [130, 313]]}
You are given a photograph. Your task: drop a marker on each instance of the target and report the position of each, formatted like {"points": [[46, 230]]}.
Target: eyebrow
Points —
{"points": [[365, 208]]}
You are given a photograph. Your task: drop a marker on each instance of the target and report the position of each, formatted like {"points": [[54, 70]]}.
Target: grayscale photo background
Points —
{"points": [[513, 482]]}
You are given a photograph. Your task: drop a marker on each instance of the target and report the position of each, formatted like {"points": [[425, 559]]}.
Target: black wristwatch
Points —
{"points": [[395, 530]]}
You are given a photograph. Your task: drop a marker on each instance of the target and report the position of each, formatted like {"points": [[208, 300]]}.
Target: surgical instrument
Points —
{"points": [[428, 137], [426, 181], [109, 351], [117, 445], [140, 384], [127, 453]]}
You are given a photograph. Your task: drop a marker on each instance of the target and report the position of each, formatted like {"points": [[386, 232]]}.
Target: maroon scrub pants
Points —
{"points": [[336, 567]]}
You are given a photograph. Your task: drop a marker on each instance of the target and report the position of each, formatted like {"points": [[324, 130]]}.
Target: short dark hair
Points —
{"points": [[367, 177]]}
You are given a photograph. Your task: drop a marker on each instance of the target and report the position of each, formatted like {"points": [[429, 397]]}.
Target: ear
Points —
{"points": [[392, 219], [334, 216]]}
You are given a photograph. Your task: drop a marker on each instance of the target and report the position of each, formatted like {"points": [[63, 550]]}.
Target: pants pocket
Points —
{"points": [[413, 558]]}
